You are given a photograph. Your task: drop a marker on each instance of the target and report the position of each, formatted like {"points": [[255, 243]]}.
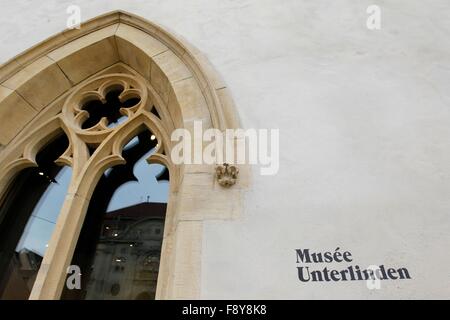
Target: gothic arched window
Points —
{"points": [[117, 87]]}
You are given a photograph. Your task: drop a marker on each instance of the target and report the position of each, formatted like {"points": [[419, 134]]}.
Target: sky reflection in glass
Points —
{"points": [[42, 222], [40, 226], [146, 189]]}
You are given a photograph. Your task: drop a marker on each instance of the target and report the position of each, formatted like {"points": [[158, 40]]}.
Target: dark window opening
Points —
{"points": [[155, 112], [110, 109], [119, 247], [28, 213]]}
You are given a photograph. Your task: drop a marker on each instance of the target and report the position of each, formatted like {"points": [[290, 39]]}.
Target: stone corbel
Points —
{"points": [[226, 175]]}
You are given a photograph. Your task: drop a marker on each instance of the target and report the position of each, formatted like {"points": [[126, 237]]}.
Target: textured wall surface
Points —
{"points": [[364, 130]]}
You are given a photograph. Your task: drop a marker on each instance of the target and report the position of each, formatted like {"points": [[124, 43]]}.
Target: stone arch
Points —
{"points": [[35, 90]]}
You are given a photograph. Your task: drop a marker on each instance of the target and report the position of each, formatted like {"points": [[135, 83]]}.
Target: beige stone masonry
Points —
{"points": [[41, 91], [136, 48], [98, 51], [188, 245], [33, 80], [15, 113], [195, 107], [9, 69]]}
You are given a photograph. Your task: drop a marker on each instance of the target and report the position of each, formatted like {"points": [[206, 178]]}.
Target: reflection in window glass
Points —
{"points": [[117, 122], [28, 216], [119, 248], [40, 226]]}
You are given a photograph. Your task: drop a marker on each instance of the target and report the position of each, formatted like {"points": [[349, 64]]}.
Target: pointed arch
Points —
{"points": [[43, 90]]}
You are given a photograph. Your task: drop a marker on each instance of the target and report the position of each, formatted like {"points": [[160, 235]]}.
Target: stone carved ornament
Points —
{"points": [[227, 175]]}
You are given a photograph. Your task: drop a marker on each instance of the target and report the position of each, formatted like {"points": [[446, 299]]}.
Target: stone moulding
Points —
{"points": [[41, 95]]}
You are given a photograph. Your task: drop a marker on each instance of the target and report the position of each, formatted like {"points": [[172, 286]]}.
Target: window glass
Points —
{"points": [[28, 215], [119, 247]]}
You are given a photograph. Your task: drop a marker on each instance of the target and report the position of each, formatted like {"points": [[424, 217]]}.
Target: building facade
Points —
{"points": [[355, 206]]}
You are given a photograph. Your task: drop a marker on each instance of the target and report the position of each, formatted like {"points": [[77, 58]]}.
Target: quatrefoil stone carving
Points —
{"points": [[108, 109], [95, 108]]}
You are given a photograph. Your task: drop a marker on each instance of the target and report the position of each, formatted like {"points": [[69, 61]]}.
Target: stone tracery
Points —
{"points": [[159, 83]]}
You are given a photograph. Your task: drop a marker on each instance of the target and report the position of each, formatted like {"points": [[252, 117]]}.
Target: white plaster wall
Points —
{"points": [[364, 119]]}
